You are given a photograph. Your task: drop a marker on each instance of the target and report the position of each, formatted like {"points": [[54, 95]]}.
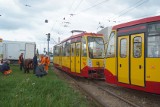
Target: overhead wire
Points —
{"points": [[126, 10], [92, 7], [78, 5], [97, 4], [69, 18], [131, 9], [58, 22], [86, 8], [72, 5], [123, 12], [131, 6]]}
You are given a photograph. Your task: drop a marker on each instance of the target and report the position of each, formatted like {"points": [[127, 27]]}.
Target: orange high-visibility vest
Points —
{"points": [[47, 62], [43, 60], [7, 72]]}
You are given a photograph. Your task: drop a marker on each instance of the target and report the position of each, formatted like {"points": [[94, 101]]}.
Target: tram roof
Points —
{"points": [[82, 34], [135, 22]]}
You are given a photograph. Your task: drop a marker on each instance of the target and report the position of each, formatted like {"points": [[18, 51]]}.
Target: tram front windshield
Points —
{"points": [[96, 47]]}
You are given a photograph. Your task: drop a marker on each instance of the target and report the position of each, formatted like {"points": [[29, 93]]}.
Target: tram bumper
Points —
{"points": [[96, 73]]}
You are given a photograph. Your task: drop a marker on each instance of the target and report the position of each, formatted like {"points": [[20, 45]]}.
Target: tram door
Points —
{"points": [[123, 59], [137, 59], [60, 57], [73, 65], [78, 56], [131, 59]]}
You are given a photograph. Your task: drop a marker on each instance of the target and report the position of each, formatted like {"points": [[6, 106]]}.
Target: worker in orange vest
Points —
{"points": [[5, 68], [42, 61], [47, 62]]}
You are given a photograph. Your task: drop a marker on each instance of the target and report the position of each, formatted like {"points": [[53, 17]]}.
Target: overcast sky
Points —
{"points": [[24, 20]]}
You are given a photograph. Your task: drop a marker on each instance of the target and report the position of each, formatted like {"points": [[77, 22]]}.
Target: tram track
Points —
{"points": [[69, 77], [82, 84], [95, 82], [139, 98], [117, 96]]}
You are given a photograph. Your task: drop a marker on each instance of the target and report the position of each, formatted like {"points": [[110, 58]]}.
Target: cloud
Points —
{"points": [[12, 24], [26, 23]]}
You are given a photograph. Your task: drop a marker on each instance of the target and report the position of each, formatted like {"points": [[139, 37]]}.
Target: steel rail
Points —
{"points": [[117, 96], [71, 77], [101, 104]]}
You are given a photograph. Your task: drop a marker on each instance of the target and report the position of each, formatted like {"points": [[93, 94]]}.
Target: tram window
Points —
{"points": [[153, 40], [153, 46], [96, 47], [111, 46], [56, 51], [68, 49], [84, 49], [72, 49], [61, 51], [77, 49], [123, 48], [137, 47], [64, 49], [154, 29]]}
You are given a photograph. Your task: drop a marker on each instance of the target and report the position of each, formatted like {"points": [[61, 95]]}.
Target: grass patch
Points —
{"points": [[26, 90]]}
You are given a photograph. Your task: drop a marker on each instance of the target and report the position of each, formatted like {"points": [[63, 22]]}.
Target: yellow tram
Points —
{"points": [[81, 55], [133, 55]]}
